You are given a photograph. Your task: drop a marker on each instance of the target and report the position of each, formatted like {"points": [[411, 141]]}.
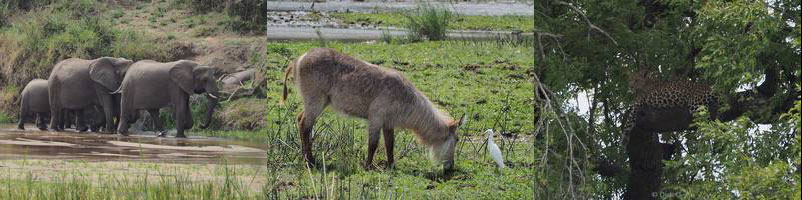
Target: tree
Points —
{"points": [[746, 51]]}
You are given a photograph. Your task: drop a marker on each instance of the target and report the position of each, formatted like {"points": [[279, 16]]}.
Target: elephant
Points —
{"points": [[34, 102], [78, 84], [151, 85]]}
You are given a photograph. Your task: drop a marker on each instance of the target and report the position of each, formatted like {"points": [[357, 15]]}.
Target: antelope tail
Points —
{"points": [[286, 74]]}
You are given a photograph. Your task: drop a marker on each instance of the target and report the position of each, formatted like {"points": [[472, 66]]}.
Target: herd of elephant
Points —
{"points": [[108, 92]]}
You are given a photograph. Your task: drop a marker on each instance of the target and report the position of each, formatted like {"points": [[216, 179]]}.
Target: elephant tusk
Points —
{"points": [[211, 95]]}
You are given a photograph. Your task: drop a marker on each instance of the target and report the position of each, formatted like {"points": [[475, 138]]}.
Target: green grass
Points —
{"points": [[394, 19], [4, 118]]}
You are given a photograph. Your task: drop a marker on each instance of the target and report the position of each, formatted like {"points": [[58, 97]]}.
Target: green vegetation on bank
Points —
{"points": [[459, 22], [36, 34]]}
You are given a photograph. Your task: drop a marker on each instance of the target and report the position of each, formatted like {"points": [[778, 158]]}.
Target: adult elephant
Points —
{"points": [[151, 85], [77, 84]]}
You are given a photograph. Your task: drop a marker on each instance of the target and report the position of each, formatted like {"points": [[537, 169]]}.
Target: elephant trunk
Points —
{"points": [[210, 106]]}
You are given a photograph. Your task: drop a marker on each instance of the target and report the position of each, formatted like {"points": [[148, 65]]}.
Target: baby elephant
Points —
{"points": [[34, 102]]}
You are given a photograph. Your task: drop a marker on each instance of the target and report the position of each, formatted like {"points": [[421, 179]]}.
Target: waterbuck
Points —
{"points": [[382, 96]]}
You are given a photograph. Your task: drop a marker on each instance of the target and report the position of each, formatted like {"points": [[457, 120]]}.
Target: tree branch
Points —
{"points": [[591, 26]]}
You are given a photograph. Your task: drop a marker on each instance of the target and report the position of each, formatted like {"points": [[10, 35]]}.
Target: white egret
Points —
{"points": [[495, 152]]}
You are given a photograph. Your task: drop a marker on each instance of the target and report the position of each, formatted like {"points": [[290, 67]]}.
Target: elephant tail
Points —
{"points": [[286, 74]]}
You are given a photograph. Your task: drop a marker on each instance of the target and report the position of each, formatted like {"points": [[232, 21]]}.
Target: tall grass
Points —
{"points": [[428, 21], [4, 118]]}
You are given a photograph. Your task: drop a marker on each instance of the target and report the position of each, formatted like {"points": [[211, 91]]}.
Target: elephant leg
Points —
{"points": [[40, 121], [80, 120], [108, 112], [97, 120], [66, 119], [125, 113], [56, 116], [180, 112], [21, 124], [189, 122], [122, 126], [60, 119], [157, 122], [55, 107]]}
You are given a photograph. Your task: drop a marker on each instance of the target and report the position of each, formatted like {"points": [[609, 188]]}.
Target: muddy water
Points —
{"points": [[34, 144]]}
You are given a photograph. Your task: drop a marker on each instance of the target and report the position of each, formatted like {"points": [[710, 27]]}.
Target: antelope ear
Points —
{"points": [[182, 75], [102, 70], [456, 124]]}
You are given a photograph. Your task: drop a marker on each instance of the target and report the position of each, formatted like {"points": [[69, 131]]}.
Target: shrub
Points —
{"points": [[8, 100], [3, 14], [428, 21], [248, 16], [386, 36], [5, 118], [244, 15], [245, 113]]}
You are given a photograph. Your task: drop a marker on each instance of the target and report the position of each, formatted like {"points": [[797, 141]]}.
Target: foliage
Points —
{"points": [[428, 21], [244, 15], [727, 44], [4, 118], [731, 160], [8, 99], [244, 114]]}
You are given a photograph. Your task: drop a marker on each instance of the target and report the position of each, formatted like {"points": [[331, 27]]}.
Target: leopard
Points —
{"points": [[664, 94]]}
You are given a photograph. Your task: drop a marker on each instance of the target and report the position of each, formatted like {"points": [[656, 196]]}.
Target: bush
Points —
{"points": [[248, 16], [5, 118], [428, 21], [244, 15], [8, 100]]}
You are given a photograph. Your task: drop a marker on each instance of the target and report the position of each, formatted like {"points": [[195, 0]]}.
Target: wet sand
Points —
{"points": [[69, 145]]}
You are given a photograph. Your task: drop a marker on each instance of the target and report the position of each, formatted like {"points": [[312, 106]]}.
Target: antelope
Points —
{"points": [[381, 96]]}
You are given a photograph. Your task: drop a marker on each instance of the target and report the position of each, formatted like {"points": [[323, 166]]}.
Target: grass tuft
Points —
{"points": [[428, 21]]}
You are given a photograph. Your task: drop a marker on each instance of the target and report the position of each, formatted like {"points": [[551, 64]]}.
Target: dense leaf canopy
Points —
{"points": [[585, 51]]}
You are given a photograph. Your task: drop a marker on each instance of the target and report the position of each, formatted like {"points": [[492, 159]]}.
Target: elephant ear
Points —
{"points": [[103, 71], [182, 75]]}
